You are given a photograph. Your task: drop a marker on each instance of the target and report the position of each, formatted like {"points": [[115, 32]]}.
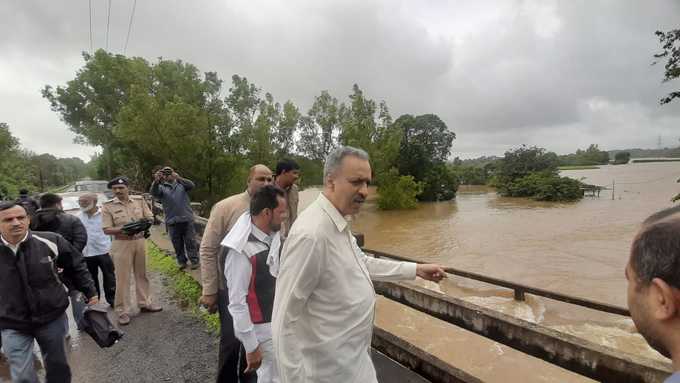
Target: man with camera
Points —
{"points": [[171, 190], [128, 248]]}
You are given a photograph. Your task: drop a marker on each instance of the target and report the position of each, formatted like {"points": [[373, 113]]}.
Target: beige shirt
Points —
{"points": [[116, 213], [292, 198], [223, 216], [324, 305]]}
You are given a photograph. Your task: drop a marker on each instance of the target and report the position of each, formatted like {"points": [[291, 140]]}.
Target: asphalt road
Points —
{"points": [[169, 346]]}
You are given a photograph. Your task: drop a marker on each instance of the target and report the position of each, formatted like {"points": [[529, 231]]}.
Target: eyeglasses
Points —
{"points": [[263, 179]]}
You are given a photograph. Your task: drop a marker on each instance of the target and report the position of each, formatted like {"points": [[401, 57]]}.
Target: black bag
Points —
{"points": [[96, 323]]}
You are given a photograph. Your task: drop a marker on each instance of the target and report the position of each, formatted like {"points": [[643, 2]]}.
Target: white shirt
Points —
{"points": [[98, 243], [325, 301], [238, 271], [14, 248]]}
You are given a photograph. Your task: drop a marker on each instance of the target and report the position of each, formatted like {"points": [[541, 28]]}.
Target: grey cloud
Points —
{"points": [[498, 73]]}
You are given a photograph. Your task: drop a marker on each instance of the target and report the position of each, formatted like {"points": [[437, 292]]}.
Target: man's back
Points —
{"points": [[56, 221]]}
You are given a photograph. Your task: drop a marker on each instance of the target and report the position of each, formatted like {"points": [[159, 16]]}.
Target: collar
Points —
{"points": [[96, 213], [17, 245], [116, 200], [260, 235], [335, 216]]}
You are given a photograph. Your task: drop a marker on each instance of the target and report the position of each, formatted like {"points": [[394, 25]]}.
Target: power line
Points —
{"points": [[132, 16], [90, 5], [108, 22]]}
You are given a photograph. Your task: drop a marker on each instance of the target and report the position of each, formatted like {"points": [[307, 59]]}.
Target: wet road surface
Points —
{"points": [[169, 346]]}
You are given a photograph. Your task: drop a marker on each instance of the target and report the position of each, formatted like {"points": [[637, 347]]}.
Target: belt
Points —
{"points": [[125, 237]]}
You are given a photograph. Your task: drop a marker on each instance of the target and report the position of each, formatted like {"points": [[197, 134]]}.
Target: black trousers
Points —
{"points": [[232, 360], [105, 263], [183, 236]]}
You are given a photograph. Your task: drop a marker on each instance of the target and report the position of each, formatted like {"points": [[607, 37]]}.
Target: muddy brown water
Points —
{"points": [[577, 248]]}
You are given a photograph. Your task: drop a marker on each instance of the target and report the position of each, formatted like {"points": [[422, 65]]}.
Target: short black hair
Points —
{"points": [[10, 204], [286, 165], [49, 200], [655, 252], [266, 198], [23, 192]]}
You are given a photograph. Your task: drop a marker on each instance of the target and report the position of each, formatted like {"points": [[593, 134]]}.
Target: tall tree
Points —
{"points": [[90, 103], [670, 45], [325, 113]]}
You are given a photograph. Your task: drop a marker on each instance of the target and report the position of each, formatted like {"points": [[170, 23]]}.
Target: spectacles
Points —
{"points": [[262, 179]]}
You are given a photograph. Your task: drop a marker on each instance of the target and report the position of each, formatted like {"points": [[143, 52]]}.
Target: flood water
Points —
{"points": [[577, 248]]}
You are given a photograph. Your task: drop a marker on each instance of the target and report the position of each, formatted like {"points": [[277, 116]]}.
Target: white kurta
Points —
{"points": [[324, 306]]}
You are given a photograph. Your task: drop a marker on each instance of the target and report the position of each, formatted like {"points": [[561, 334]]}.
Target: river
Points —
{"points": [[576, 248]]}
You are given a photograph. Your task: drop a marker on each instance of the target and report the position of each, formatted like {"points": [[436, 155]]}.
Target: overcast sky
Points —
{"points": [[560, 75]]}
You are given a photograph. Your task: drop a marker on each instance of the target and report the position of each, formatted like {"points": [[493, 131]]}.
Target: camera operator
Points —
{"points": [[171, 190]]}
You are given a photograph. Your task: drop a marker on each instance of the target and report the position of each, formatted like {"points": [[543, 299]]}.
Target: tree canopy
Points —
{"points": [[670, 45]]}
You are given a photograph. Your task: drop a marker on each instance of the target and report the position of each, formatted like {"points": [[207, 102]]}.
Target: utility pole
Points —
{"points": [[613, 185]]}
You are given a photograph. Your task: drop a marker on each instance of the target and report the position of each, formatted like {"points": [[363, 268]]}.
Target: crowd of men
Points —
{"points": [[294, 293]]}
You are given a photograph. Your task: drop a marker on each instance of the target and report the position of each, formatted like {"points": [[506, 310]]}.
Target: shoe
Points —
{"points": [[195, 266], [123, 319], [150, 308], [182, 266]]}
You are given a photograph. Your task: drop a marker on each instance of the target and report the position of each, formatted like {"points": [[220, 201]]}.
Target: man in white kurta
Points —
{"points": [[324, 303]]}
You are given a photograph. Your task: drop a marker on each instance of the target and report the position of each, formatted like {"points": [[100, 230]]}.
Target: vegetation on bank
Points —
{"points": [[168, 112], [21, 168], [184, 287]]}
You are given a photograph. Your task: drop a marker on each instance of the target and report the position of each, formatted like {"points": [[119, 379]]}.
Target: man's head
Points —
{"points": [[50, 201], [347, 174], [258, 177], [119, 186], [268, 208], [287, 172], [88, 203], [13, 222], [23, 193], [653, 274]]}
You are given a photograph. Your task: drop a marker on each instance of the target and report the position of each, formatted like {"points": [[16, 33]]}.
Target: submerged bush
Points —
{"points": [[398, 192]]}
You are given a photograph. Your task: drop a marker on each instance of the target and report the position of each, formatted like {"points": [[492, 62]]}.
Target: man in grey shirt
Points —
{"points": [[171, 190], [653, 274]]}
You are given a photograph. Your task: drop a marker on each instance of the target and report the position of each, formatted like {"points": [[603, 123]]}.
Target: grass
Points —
{"points": [[578, 167], [185, 288]]}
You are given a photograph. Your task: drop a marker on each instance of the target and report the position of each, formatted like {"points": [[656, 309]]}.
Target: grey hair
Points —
{"points": [[334, 158], [655, 252]]}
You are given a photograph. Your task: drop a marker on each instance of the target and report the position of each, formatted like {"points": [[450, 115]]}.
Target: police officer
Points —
{"points": [[128, 251]]}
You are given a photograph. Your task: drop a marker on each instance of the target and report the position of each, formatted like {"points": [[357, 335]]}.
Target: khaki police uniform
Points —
{"points": [[128, 252]]}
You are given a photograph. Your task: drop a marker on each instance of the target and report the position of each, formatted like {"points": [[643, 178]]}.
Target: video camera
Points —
{"points": [[136, 227]]}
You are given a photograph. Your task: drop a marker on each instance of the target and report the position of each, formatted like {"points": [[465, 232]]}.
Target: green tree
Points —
{"points": [[670, 45], [324, 121], [424, 147], [532, 172], [398, 192], [90, 103], [622, 158]]}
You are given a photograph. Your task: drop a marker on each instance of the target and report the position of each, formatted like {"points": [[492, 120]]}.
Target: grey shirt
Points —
{"points": [[175, 200], [675, 378]]}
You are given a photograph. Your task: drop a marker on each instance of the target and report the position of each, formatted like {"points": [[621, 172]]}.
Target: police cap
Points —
{"points": [[117, 181]]}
